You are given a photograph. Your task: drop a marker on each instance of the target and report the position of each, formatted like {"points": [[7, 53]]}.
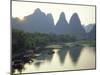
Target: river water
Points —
{"points": [[63, 59]]}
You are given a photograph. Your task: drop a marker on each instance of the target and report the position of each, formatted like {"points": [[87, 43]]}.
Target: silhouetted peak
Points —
{"points": [[75, 17], [35, 13], [37, 10], [39, 13], [62, 15], [88, 27], [75, 14], [50, 17]]}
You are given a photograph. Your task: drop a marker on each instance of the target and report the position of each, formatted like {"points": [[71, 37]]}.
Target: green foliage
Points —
{"points": [[89, 43], [22, 40], [18, 38]]}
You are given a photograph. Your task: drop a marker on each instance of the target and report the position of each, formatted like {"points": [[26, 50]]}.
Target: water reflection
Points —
{"points": [[75, 54], [62, 54], [62, 59], [44, 56], [37, 64]]}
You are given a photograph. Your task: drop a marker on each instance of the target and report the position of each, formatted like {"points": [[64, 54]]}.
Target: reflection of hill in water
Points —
{"points": [[38, 64], [62, 54], [45, 56], [41, 59], [49, 58], [75, 53]]}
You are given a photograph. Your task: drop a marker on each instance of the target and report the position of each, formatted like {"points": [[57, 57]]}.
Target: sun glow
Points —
{"points": [[21, 18]]}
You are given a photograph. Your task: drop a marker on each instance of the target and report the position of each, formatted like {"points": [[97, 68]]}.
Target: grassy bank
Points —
{"points": [[88, 43], [54, 46], [73, 44]]}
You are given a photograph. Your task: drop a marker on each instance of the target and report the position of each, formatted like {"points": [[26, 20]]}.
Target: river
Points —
{"points": [[63, 59]]}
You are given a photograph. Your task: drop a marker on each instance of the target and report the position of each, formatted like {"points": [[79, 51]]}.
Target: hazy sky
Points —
{"points": [[86, 13]]}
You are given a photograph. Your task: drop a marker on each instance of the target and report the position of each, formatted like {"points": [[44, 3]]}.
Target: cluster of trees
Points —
{"points": [[23, 40]]}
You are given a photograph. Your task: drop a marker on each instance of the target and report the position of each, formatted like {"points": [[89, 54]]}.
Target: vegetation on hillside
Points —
{"points": [[23, 40]]}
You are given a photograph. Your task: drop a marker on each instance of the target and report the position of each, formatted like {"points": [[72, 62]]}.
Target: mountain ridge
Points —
{"points": [[40, 22]]}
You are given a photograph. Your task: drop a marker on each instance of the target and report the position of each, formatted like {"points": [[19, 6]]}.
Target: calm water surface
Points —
{"points": [[63, 59]]}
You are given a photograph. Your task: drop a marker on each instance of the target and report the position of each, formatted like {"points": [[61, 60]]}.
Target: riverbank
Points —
{"points": [[72, 44]]}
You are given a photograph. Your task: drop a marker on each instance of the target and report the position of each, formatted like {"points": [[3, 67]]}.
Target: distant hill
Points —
{"points": [[36, 22], [40, 22], [62, 26], [92, 33], [76, 28], [88, 27]]}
